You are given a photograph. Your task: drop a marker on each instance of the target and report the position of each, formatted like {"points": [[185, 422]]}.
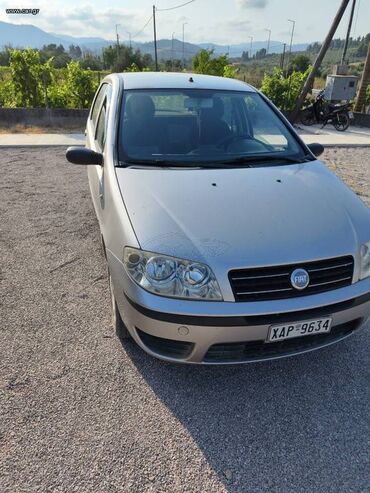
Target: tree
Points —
{"points": [[121, 58], [5, 56], [172, 65], [284, 91], [91, 62], [203, 63], [261, 53], [26, 71], [75, 52], [80, 86], [299, 63], [57, 53], [245, 56], [314, 47]]}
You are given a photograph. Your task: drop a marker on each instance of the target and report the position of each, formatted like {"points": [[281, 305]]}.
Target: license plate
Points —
{"points": [[351, 115], [299, 329]]}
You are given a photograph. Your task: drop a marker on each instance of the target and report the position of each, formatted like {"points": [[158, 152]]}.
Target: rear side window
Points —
{"points": [[100, 129], [99, 98]]}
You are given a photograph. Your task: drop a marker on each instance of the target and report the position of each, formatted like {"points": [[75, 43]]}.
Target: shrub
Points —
{"points": [[203, 63], [80, 86], [284, 91]]}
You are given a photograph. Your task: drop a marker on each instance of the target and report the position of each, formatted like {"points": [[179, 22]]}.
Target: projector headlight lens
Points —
{"points": [[170, 276]]}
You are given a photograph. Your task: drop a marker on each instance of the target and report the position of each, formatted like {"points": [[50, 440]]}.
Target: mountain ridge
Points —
{"points": [[28, 35]]}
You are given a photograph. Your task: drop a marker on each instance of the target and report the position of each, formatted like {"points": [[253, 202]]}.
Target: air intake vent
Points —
{"points": [[166, 347], [255, 350], [273, 283]]}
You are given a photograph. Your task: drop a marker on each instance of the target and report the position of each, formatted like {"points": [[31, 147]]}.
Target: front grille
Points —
{"points": [[166, 347], [255, 350], [273, 283]]}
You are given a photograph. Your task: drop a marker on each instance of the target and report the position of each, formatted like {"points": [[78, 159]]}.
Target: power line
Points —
{"points": [[142, 29], [176, 7]]}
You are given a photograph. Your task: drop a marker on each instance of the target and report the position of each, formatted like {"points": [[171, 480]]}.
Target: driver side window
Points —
{"points": [[101, 126]]}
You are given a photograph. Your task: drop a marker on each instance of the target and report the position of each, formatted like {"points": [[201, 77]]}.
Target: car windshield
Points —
{"points": [[202, 126]]}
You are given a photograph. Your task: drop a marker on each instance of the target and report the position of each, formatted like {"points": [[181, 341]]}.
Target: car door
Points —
{"points": [[96, 136]]}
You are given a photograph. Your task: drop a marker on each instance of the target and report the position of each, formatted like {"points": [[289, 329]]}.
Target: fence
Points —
{"points": [[44, 117]]}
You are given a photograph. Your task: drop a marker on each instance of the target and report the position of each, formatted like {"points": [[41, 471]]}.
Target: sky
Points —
{"points": [[219, 21]]}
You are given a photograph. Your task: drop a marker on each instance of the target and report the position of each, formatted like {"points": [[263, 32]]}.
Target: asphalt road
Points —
{"points": [[81, 413]]}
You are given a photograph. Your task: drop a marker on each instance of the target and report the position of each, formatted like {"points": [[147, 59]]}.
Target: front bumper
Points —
{"points": [[229, 332]]}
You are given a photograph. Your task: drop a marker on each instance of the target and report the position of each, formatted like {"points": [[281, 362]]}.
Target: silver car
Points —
{"points": [[227, 241]]}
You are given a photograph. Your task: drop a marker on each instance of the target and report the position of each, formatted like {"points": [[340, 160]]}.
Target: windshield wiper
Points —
{"points": [[160, 163], [246, 161], [164, 163], [266, 158]]}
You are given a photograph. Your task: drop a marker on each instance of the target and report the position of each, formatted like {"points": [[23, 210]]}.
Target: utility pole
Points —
{"points": [[319, 58], [343, 60], [183, 43], [129, 37], [291, 39], [155, 41], [172, 41], [117, 38], [268, 41], [282, 57], [251, 46], [365, 81]]}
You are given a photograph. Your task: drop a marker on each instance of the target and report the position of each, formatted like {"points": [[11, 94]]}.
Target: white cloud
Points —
{"points": [[83, 20], [254, 4]]}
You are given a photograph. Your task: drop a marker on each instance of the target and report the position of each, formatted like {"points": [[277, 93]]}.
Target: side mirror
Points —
{"points": [[316, 149], [83, 155]]}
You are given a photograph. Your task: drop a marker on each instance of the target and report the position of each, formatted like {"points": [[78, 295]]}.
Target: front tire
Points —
{"points": [[341, 122], [117, 322]]}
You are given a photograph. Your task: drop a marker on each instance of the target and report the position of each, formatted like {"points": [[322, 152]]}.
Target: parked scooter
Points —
{"points": [[321, 111]]}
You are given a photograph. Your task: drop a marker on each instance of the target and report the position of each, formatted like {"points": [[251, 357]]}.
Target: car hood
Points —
{"points": [[244, 217]]}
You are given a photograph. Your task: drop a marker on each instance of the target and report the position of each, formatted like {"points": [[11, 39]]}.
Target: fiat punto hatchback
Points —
{"points": [[227, 241]]}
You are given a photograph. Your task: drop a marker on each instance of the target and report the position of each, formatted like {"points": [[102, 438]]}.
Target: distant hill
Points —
{"points": [[236, 50], [24, 35], [27, 35]]}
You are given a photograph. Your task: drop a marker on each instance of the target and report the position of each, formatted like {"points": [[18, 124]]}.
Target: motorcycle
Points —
{"points": [[321, 111]]}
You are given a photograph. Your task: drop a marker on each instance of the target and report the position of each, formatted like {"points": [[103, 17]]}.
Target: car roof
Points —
{"points": [[179, 80]]}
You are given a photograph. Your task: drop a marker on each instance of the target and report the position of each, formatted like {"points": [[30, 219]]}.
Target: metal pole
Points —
{"points": [[129, 37], [291, 39], [268, 41], [183, 44], [348, 33], [172, 40], [251, 46], [117, 37], [320, 56], [155, 41], [282, 57]]}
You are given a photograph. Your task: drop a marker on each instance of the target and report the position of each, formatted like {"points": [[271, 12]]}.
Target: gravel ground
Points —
{"points": [[81, 413]]}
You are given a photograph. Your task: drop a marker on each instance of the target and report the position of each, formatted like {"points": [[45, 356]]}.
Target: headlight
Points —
{"points": [[171, 276], [365, 260]]}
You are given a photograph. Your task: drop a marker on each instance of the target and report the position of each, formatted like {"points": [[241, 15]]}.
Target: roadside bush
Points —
{"points": [[203, 63], [284, 91], [7, 98], [57, 96], [80, 86], [26, 74], [229, 71]]}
